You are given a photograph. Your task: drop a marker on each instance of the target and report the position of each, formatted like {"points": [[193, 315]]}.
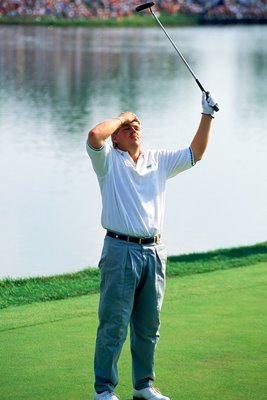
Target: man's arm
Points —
{"points": [[105, 129], [201, 138]]}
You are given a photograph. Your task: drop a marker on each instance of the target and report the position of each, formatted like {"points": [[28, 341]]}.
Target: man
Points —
{"points": [[133, 262]]}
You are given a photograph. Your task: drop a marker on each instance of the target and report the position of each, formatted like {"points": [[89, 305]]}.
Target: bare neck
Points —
{"points": [[133, 152], [135, 155]]}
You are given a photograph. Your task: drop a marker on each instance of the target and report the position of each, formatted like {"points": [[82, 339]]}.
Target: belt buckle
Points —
{"points": [[140, 241], [157, 239]]}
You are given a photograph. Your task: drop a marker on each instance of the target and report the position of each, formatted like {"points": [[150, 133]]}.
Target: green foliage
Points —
{"points": [[197, 263], [132, 21], [25, 291], [30, 290]]}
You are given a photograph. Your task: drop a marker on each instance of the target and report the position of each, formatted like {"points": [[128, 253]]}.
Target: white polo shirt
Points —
{"points": [[133, 195]]}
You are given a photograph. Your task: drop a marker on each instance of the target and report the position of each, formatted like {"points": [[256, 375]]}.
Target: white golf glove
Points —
{"points": [[208, 103]]}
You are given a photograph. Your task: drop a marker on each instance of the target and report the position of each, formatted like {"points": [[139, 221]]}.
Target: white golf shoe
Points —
{"points": [[105, 396], [148, 393]]}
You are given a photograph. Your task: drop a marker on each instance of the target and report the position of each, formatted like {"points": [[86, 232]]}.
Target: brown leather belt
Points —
{"points": [[132, 239]]}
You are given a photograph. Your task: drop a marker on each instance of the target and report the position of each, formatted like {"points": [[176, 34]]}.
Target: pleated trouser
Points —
{"points": [[131, 293]]}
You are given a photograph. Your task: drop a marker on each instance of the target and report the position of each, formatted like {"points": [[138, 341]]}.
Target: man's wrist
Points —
{"points": [[208, 115], [119, 119]]}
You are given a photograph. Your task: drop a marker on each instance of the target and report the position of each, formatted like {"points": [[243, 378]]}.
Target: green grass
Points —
{"points": [[132, 21], [25, 291], [213, 342]]}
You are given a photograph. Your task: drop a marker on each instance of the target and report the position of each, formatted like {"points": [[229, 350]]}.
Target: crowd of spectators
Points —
{"points": [[254, 9], [220, 8]]}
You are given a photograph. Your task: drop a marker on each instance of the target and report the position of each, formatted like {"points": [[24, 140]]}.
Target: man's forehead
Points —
{"points": [[134, 123]]}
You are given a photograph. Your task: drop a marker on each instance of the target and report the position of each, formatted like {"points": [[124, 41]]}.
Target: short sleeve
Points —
{"points": [[176, 161], [99, 158]]}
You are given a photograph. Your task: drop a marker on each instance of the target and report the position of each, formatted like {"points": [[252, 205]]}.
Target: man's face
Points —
{"points": [[128, 137]]}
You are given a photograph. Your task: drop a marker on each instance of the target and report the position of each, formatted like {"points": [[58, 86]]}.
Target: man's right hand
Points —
{"points": [[127, 117], [105, 129]]}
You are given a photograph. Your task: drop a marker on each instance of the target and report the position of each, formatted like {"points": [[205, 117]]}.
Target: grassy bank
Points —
{"points": [[133, 21], [213, 342], [25, 291]]}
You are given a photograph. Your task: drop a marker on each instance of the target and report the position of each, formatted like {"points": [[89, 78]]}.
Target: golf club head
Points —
{"points": [[144, 6]]}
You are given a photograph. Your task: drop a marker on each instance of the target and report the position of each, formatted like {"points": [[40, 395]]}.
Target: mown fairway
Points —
{"points": [[213, 342]]}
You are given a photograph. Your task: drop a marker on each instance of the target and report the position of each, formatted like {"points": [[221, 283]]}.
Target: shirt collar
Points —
{"points": [[126, 154]]}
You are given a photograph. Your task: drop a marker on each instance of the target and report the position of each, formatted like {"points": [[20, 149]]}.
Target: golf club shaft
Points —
{"points": [[174, 45], [149, 5], [178, 52]]}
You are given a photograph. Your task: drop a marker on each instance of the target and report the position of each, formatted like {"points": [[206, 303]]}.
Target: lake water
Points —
{"points": [[56, 83]]}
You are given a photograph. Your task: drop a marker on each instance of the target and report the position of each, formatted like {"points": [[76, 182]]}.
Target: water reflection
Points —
{"points": [[55, 83], [77, 66]]}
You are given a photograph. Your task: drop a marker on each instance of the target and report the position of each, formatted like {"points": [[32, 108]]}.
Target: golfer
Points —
{"points": [[133, 261]]}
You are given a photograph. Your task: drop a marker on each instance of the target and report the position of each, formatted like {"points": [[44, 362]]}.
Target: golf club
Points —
{"points": [[151, 4]]}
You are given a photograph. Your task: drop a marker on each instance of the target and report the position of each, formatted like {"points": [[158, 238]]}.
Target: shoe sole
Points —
{"points": [[139, 398]]}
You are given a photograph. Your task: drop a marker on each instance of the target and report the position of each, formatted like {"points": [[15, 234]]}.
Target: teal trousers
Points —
{"points": [[131, 294]]}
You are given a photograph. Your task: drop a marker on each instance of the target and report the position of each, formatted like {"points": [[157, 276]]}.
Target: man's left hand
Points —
{"points": [[208, 102]]}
